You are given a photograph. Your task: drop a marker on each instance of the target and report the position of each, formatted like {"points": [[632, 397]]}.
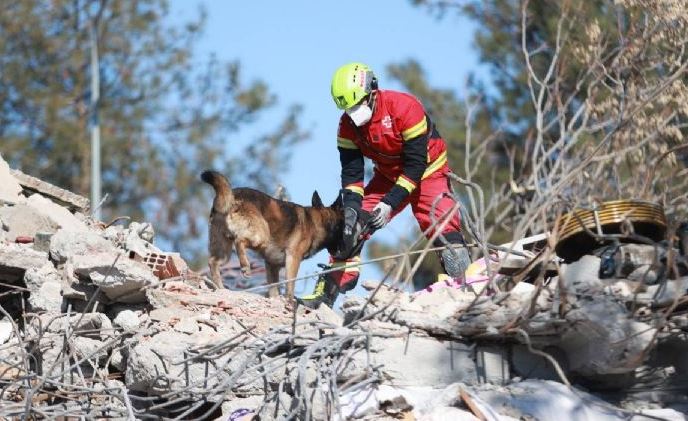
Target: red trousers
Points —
{"points": [[432, 190]]}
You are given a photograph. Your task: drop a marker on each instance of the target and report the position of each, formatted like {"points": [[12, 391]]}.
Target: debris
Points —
{"points": [[10, 190], [127, 320], [164, 265], [63, 197], [97, 321], [56, 213], [24, 221], [120, 279], [6, 330], [66, 245], [45, 288]]}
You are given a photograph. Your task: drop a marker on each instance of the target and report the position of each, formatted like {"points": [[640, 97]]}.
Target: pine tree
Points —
{"points": [[165, 113]]}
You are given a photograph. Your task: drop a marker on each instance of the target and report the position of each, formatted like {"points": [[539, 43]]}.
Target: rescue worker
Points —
{"points": [[410, 157]]}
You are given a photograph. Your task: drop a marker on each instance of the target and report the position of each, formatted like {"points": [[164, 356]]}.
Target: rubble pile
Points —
{"points": [[97, 322]]}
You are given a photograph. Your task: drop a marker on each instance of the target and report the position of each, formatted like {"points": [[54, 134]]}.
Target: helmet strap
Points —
{"points": [[372, 99]]}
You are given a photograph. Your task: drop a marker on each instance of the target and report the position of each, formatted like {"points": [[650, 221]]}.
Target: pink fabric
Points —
{"points": [[475, 274]]}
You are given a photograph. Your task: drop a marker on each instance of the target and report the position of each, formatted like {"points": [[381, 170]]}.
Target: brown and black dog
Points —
{"points": [[283, 233]]}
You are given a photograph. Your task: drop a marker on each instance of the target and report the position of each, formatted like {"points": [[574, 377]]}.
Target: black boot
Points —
{"points": [[325, 292]]}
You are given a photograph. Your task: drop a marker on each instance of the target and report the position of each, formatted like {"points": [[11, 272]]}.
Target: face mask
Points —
{"points": [[360, 114]]}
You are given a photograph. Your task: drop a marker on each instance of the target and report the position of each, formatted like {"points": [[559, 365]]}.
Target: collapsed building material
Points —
{"points": [[163, 265], [69, 200], [120, 279], [10, 190], [68, 244], [23, 220], [16, 259], [99, 334]]}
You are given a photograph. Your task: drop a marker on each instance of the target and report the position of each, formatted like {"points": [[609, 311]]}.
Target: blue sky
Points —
{"points": [[295, 46]]}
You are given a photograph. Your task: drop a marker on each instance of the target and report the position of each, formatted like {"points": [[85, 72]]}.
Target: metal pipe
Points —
{"points": [[95, 125]]}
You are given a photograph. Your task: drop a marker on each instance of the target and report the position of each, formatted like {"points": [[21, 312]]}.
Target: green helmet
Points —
{"points": [[351, 83]]}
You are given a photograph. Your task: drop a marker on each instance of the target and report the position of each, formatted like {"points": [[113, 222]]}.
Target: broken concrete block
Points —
{"points": [[119, 278], [435, 362], [56, 213], [279, 408], [15, 259], [89, 349], [154, 366], [138, 239], [602, 339], [65, 244], [6, 330], [307, 333], [127, 320], [96, 325], [583, 275], [547, 400], [186, 325], [358, 404], [71, 362], [50, 355], [165, 314], [61, 196], [117, 359], [24, 220], [664, 294], [142, 230], [45, 288], [10, 190], [115, 234]]}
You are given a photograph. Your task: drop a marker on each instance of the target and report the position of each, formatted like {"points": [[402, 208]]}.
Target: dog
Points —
{"points": [[282, 232]]}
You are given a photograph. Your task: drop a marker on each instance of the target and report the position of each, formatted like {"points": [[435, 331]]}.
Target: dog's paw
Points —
{"points": [[246, 273], [290, 304]]}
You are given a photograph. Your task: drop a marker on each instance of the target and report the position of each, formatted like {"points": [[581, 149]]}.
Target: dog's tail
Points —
{"points": [[223, 190]]}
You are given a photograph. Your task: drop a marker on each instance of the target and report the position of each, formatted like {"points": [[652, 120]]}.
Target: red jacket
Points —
{"points": [[398, 125]]}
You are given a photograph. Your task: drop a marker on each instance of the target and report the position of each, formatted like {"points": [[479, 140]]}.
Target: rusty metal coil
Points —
{"points": [[648, 220]]}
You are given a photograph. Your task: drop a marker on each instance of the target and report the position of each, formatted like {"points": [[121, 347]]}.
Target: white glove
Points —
{"points": [[382, 213]]}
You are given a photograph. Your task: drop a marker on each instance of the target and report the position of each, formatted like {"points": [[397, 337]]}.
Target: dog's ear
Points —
{"points": [[316, 202], [338, 202]]}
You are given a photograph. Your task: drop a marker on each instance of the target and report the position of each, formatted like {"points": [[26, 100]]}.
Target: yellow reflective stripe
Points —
{"points": [[416, 130], [346, 143], [409, 186], [355, 189], [436, 165]]}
